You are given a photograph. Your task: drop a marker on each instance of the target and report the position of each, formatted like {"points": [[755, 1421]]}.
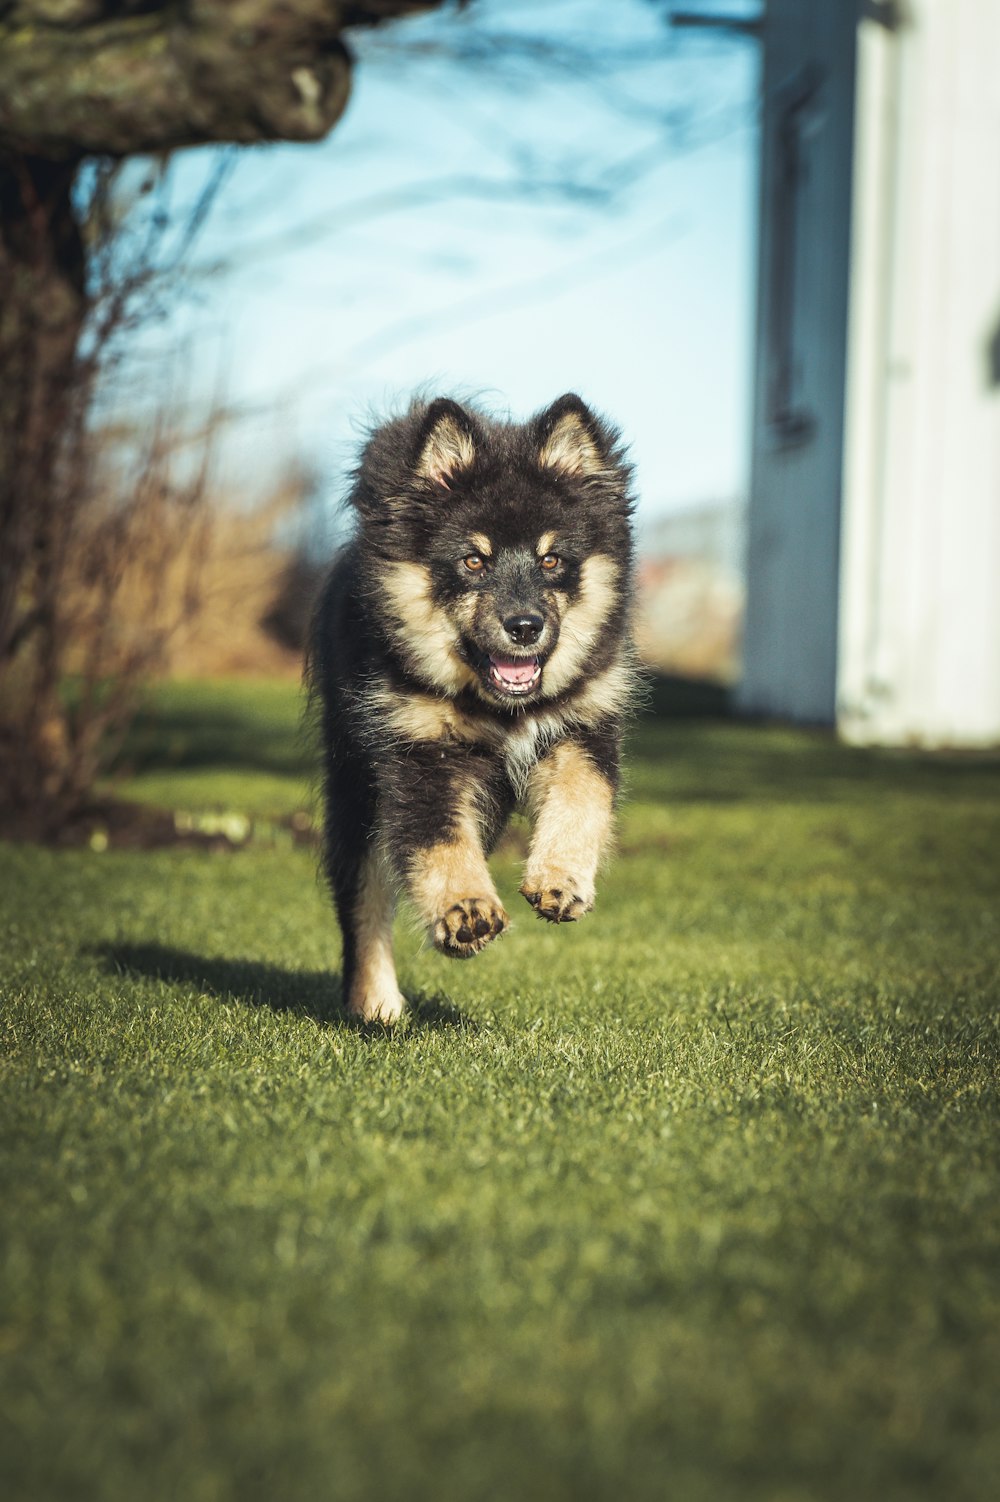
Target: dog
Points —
{"points": [[471, 653]]}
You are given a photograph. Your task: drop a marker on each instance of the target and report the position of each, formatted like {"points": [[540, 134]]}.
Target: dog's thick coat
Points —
{"points": [[471, 652]]}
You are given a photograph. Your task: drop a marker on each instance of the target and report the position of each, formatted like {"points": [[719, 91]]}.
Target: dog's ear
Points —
{"points": [[570, 438], [446, 442]]}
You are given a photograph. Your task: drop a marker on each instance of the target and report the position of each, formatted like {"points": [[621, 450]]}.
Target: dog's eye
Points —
{"points": [[550, 561], [475, 563]]}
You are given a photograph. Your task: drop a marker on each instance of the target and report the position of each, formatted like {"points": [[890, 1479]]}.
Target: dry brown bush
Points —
{"points": [[116, 564], [172, 580], [243, 568], [112, 577]]}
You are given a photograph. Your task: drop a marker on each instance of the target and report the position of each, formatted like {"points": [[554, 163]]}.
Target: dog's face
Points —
{"points": [[507, 592], [511, 551]]}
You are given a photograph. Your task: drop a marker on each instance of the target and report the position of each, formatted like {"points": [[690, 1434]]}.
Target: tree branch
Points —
{"points": [[81, 77]]}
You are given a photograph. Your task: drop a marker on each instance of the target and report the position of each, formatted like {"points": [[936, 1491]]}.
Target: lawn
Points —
{"points": [[698, 1199]]}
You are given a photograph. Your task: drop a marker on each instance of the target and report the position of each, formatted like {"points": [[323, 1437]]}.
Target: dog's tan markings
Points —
{"points": [[448, 449], [375, 994], [415, 717], [546, 544], [419, 717], [572, 804], [480, 543], [423, 717], [570, 448], [453, 892], [422, 630], [557, 602], [605, 696], [464, 610], [581, 623]]}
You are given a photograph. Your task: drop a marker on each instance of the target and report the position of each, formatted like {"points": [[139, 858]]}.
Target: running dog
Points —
{"points": [[471, 653]]}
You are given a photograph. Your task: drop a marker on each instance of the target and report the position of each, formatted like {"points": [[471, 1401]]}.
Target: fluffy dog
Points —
{"points": [[471, 652]]}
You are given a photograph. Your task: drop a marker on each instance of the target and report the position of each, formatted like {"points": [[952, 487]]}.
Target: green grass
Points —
{"points": [[699, 1199]]}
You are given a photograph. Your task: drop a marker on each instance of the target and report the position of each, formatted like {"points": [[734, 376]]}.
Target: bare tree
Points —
{"points": [[105, 78]]}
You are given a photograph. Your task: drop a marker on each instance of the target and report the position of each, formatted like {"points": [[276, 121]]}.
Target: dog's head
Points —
{"points": [[504, 548]]}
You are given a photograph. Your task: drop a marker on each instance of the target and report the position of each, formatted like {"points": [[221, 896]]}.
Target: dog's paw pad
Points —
{"points": [[468, 926], [557, 904]]}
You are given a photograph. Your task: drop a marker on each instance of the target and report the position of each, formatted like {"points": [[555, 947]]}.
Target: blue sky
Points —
{"points": [[345, 278]]}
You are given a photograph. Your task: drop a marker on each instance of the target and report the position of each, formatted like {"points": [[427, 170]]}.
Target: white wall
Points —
{"points": [[919, 636]]}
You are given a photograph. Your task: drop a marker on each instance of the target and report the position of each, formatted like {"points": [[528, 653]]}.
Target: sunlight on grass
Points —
{"points": [[697, 1198]]}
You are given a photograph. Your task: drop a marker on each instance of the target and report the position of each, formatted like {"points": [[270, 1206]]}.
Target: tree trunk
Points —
{"points": [[42, 305]]}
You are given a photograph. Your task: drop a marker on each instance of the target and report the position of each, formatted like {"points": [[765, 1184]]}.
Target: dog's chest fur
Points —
{"points": [[521, 748]]}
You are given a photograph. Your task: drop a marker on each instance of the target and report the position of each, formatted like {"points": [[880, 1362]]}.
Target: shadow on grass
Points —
{"points": [[204, 738], [668, 696], [306, 993], [688, 745]]}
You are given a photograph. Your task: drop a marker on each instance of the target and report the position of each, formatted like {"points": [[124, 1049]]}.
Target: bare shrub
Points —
{"points": [[114, 580], [102, 562], [255, 591]]}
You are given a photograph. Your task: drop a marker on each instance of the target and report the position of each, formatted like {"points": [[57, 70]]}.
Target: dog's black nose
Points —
{"points": [[524, 629]]}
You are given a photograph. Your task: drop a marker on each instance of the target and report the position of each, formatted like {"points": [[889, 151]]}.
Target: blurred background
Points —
{"points": [[763, 238]]}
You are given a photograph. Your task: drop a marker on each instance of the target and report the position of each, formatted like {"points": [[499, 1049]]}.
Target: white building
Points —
{"points": [[873, 589]]}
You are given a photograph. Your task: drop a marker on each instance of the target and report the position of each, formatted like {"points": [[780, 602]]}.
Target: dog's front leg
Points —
{"points": [[571, 796], [438, 810]]}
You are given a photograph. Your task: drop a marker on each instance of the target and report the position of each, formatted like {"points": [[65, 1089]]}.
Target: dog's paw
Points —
{"points": [[468, 926], [557, 904], [385, 1006]]}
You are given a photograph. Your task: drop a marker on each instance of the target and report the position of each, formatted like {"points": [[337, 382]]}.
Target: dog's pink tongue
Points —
{"points": [[515, 669]]}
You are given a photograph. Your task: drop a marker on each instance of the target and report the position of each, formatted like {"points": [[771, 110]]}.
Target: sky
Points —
{"points": [[506, 231]]}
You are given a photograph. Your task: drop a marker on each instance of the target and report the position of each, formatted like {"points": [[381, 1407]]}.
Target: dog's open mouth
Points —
{"points": [[514, 675]]}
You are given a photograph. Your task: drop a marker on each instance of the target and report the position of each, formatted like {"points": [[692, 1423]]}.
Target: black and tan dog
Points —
{"points": [[471, 651]]}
